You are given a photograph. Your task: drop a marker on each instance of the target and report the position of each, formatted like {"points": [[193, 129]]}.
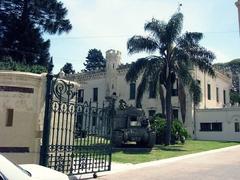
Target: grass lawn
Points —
{"points": [[162, 152]]}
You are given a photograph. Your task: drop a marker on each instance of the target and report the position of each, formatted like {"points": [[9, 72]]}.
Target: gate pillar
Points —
{"points": [[47, 118]]}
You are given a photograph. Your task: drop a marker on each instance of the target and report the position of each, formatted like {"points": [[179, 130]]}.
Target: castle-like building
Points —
{"points": [[97, 85]]}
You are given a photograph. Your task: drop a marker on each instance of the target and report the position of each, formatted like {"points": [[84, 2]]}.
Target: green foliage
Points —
{"points": [[178, 132], [68, 68], [14, 66], [233, 67], [94, 61], [22, 24], [234, 97], [24, 44]]}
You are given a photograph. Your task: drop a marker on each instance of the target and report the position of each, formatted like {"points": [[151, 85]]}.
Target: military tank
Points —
{"points": [[131, 125]]}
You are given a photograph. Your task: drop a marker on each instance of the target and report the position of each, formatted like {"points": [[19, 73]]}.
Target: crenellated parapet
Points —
{"points": [[86, 76], [113, 55], [90, 76]]}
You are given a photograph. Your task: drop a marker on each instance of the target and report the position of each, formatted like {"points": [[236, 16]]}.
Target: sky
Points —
{"points": [[108, 24]]}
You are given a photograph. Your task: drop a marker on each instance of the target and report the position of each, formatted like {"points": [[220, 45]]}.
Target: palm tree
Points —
{"points": [[172, 55]]}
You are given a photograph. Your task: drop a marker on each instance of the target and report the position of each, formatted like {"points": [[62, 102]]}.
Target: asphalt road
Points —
{"points": [[223, 165]]}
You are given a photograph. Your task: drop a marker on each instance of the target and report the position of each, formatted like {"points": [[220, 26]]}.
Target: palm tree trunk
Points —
{"points": [[162, 99], [182, 100], [168, 112]]}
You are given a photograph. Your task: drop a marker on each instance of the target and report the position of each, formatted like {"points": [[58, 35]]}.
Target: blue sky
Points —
{"points": [[108, 24]]}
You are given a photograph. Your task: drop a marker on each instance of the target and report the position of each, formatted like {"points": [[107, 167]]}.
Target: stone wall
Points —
{"points": [[22, 97]]}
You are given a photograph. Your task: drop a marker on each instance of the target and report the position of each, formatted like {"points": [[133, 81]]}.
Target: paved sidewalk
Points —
{"points": [[219, 164]]}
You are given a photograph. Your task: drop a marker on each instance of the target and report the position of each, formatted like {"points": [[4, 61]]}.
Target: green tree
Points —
{"points": [[234, 97], [22, 24], [68, 68], [25, 45], [94, 60], [234, 68], [177, 55]]}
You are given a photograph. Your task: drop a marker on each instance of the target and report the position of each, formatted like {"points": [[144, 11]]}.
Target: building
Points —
{"points": [[97, 85]]}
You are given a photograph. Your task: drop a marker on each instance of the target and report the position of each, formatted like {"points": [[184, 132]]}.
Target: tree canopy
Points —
{"points": [[234, 97], [173, 55], [234, 68], [22, 24], [68, 68], [94, 61]]}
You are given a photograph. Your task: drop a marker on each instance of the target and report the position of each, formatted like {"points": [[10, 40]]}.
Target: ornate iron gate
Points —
{"points": [[76, 136]]}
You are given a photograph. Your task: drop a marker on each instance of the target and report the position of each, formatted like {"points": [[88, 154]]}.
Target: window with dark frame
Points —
{"points": [[132, 90], [175, 113], [205, 126], [81, 95], [209, 91], [199, 83], [151, 113], [224, 96], [217, 126], [95, 94], [152, 90], [9, 120], [237, 126], [217, 94], [175, 90]]}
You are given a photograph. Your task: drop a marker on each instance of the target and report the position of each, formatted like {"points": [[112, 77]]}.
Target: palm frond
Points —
{"points": [[139, 44], [187, 80], [189, 48], [189, 39], [179, 55], [202, 58], [195, 91], [182, 99], [174, 27], [141, 89], [156, 28], [136, 69], [182, 71]]}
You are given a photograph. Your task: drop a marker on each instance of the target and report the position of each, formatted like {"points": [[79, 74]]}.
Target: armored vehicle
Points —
{"points": [[131, 125]]}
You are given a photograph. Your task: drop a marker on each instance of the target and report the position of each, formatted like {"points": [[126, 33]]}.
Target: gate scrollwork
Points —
{"points": [[63, 90]]}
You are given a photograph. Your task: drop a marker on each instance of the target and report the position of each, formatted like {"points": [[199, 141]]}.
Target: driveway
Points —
{"points": [[221, 164]]}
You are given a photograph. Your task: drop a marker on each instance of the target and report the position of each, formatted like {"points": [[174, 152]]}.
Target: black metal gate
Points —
{"points": [[76, 136]]}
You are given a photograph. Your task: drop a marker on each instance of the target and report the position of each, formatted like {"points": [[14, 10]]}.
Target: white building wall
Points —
{"points": [[221, 81], [96, 83], [226, 116]]}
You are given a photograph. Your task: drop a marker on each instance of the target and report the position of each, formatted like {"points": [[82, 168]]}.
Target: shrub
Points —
{"points": [[14, 66], [178, 132]]}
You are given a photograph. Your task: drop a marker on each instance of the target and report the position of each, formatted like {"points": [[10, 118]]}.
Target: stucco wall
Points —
{"points": [[220, 81], [227, 116], [24, 93]]}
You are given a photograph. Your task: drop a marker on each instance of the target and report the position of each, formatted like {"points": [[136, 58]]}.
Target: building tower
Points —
{"points": [[113, 59]]}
